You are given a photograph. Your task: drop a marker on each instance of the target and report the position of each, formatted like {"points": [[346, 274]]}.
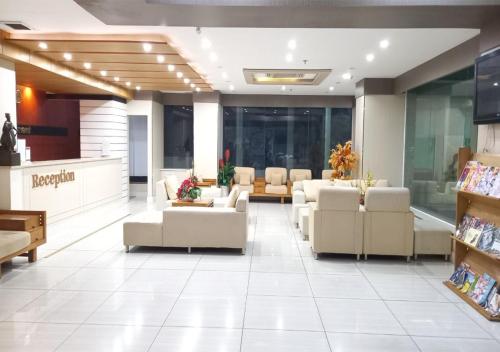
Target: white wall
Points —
{"points": [[7, 91], [488, 138], [138, 146], [157, 119], [105, 121], [206, 138], [358, 133], [382, 149]]}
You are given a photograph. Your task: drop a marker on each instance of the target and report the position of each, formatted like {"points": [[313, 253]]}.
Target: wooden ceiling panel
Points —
{"points": [[138, 58], [186, 70]]}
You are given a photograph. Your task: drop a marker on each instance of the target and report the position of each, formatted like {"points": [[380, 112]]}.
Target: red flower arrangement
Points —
{"points": [[189, 189]]}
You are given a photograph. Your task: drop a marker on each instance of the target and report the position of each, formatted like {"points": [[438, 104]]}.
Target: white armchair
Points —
{"points": [[297, 175], [276, 180], [388, 225], [336, 222], [303, 193], [244, 178]]}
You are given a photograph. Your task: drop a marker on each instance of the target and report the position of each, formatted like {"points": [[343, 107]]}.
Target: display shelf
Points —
{"points": [[471, 302], [471, 247]]}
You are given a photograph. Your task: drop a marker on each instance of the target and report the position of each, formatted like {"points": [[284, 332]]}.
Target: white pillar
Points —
{"points": [[8, 91], [206, 135]]}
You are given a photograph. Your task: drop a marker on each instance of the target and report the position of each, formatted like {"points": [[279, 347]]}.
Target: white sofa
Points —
{"points": [[244, 178], [336, 222], [388, 224], [300, 175], [224, 227]]}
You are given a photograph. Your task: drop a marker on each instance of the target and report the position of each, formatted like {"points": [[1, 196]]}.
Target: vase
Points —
{"points": [[224, 191], [187, 199]]}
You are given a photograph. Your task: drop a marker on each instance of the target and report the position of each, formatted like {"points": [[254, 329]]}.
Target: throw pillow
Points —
{"points": [[172, 186], [245, 179], [232, 198], [276, 179]]}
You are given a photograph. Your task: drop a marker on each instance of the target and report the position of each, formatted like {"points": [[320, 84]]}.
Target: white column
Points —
{"points": [[7, 91], [206, 136]]}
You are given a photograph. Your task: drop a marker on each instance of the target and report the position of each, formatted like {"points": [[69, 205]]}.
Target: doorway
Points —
{"points": [[138, 155]]}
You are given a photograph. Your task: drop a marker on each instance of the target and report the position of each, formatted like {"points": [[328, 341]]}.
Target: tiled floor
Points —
{"points": [[92, 296]]}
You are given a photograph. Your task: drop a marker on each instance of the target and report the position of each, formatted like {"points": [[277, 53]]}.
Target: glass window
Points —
{"points": [[294, 138], [178, 137], [438, 122]]}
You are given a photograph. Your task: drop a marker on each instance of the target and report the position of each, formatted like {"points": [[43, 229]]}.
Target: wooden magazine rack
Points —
{"points": [[483, 207]]}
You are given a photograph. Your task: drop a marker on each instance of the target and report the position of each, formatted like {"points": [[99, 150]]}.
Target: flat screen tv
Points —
{"points": [[487, 101]]}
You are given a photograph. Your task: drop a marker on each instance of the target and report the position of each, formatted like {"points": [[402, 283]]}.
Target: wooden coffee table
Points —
{"points": [[206, 203]]}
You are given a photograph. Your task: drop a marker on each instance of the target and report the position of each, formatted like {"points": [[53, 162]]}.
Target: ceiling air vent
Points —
{"points": [[287, 77], [17, 26]]}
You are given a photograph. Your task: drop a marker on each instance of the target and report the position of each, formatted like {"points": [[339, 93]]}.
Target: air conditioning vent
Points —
{"points": [[17, 26], [288, 77]]}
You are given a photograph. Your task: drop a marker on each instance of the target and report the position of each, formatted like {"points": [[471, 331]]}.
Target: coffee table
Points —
{"points": [[207, 203]]}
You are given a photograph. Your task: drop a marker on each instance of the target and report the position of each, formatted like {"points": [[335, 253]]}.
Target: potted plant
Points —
{"points": [[189, 190], [343, 160], [226, 173], [363, 185]]}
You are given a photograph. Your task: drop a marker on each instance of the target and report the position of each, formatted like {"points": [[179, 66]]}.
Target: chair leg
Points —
{"points": [[358, 256], [315, 255], [366, 256], [243, 251], [408, 258], [189, 250], [446, 257], [127, 248], [416, 256], [32, 255]]}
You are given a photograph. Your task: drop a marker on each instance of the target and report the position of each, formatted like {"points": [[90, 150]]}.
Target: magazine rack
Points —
{"points": [[483, 207]]}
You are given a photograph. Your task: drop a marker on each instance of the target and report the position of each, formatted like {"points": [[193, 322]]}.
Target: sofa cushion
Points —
{"points": [[339, 198], [242, 202], [245, 179], [238, 171], [300, 174], [326, 174], [281, 189], [311, 188], [276, 179], [144, 229], [231, 199], [270, 171], [13, 241], [386, 199], [172, 185]]}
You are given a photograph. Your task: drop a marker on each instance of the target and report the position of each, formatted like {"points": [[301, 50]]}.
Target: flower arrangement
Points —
{"points": [[226, 170], [189, 189], [363, 185], [343, 160]]}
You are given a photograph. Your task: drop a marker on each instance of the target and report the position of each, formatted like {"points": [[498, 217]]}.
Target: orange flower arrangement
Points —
{"points": [[343, 160]]}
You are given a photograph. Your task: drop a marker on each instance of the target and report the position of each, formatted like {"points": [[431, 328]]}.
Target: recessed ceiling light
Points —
{"points": [[205, 43], [292, 44], [331, 88], [370, 57], [186, 80], [283, 88], [43, 45], [138, 87], [160, 59], [147, 47], [128, 84], [289, 57], [192, 85], [384, 44], [67, 56], [116, 78], [213, 56], [347, 76], [87, 65], [495, 84], [224, 75], [231, 87], [170, 68], [179, 74], [198, 89], [104, 73]]}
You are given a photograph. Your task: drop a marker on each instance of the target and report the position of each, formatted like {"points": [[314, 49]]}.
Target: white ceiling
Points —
{"points": [[340, 50]]}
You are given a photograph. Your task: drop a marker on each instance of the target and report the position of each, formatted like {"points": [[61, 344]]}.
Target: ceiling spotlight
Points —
{"points": [[67, 56], [147, 47], [138, 87], [292, 44], [160, 59], [43, 45], [224, 75], [179, 74], [128, 84], [283, 88], [231, 87], [186, 80], [205, 43], [289, 57], [104, 73], [347, 76], [331, 88], [170, 68], [213, 56], [87, 65], [370, 57], [116, 78], [384, 44], [192, 85], [198, 89], [495, 84]]}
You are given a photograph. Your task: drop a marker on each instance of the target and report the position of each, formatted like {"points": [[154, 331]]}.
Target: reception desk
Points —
{"points": [[61, 187]]}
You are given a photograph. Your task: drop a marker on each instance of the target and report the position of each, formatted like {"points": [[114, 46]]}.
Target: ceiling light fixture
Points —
{"points": [[198, 89], [160, 59], [128, 84], [186, 80], [289, 57], [370, 57], [116, 78], [147, 47], [192, 85], [170, 68], [179, 74], [384, 44], [205, 43], [67, 56], [213, 57], [495, 84], [331, 88], [138, 87], [104, 73], [43, 45], [87, 65], [231, 87], [347, 76], [283, 88], [292, 44], [224, 75]]}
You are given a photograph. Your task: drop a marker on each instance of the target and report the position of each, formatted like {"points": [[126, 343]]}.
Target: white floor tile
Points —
{"points": [[152, 280], [395, 266], [217, 283], [284, 341], [95, 279], [38, 278], [325, 265], [171, 339], [114, 259], [12, 300], [410, 288], [358, 316], [491, 327], [341, 286], [435, 269], [282, 313], [279, 284], [277, 264], [227, 262], [68, 259], [133, 308], [371, 343], [437, 344], [207, 311], [275, 246], [182, 261]]}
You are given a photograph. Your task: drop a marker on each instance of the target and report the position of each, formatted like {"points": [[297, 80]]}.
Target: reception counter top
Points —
{"points": [[61, 187]]}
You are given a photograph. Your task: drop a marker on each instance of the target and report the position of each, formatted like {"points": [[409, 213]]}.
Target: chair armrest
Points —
{"points": [[298, 186], [298, 197]]}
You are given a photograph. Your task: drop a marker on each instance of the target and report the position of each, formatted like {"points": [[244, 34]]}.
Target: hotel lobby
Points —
{"points": [[245, 176]]}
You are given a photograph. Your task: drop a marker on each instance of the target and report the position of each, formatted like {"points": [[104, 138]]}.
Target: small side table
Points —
{"points": [[206, 203]]}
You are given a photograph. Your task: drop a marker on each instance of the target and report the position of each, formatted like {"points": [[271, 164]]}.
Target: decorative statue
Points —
{"points": [[9, 133]]}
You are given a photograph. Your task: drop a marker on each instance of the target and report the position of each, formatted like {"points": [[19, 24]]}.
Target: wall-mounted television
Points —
{"points": [[487, 101]]}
